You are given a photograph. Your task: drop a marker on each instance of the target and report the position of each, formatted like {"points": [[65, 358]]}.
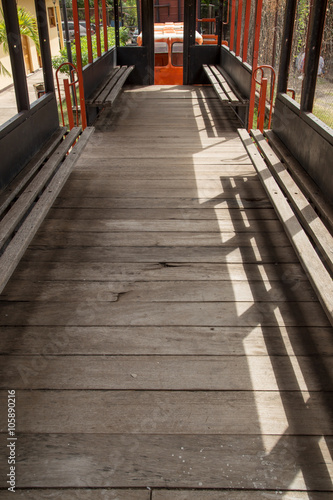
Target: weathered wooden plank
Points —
{"points": [[225, 86], [164, 313], [17, 185], [250, 201], [232, 241], [145, 214], [164, 494], [100, 98], [170, 412], [193, 226], [171, 373], [163, 291], [168, 340], [26, 199], [251, 183], [111, 97], [29, 227], [303, 179], [216, 86], [76, 460], [139, 340], [218, 254], [79, 494], [288, 274]]}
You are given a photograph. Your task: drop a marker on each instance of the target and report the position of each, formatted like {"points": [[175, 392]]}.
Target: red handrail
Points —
{"points": [[262, 95], [68, 99]]}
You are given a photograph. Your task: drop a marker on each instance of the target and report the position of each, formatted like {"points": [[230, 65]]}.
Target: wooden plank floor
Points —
{"points": [[162, 338]]}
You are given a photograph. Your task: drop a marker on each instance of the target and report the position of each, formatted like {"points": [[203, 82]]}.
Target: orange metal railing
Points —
{"points": [[263, 82], [70, 101]]}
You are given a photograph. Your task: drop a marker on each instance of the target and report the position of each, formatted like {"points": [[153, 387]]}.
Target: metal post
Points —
{"points": [[148, 36], [286, 46], [105, 28], [88, 28], [232, 24], [312, 53], [239, 26], [189, 36], [116, 21], [42, 23], [16, 55], [219, 23], [98, 34], [246, 30]]}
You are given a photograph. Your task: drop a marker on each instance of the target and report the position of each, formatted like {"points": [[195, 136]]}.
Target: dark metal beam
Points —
{"points": [[189, 35], [148, 36], [45, 51], [286, 46], [312, 53], [16, 55], [116, 21]]}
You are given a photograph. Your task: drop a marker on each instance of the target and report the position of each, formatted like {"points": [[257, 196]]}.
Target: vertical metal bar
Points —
{"points": [[219, 24], [116, 21], [189, 36], [69, 104], [312, 53], [148, 36], [262, 105], [255, 62], [16, 55], [79, 63], [138, 10], [232, 24], [88, 27], [98, 34], [286, 45], [43, 31], [105, 27], [239, 26], [246, 30]]}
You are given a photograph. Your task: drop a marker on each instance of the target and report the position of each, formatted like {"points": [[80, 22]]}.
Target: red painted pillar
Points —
{"points": [[255, 61]]}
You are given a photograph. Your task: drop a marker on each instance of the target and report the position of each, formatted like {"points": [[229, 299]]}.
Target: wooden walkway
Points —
{"points": [[160, 334]]}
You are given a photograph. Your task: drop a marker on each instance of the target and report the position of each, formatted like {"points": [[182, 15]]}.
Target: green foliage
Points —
{"points": [[28, 27], [57, 61]]}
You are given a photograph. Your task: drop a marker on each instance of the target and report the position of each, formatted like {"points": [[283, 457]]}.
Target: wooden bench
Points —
{"points": [[108, 91], [26, 201], [224, 87], [293, 195]]}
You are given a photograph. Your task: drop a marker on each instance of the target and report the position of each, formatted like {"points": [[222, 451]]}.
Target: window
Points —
{"points": [[52, 18], [177, 54], [161, 54]]}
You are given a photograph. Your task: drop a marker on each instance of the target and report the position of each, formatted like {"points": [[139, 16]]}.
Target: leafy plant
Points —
{"points": [[28, 27], [58, 60]]}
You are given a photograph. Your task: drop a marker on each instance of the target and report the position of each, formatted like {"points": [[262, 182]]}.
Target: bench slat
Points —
{"points": [[22, 179], [225, 86], [26, 199], [308, 186], [117, 88], [101, 87], [220, 92], [19, 243], [313, 266], [317, 230], [109, 86]]}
